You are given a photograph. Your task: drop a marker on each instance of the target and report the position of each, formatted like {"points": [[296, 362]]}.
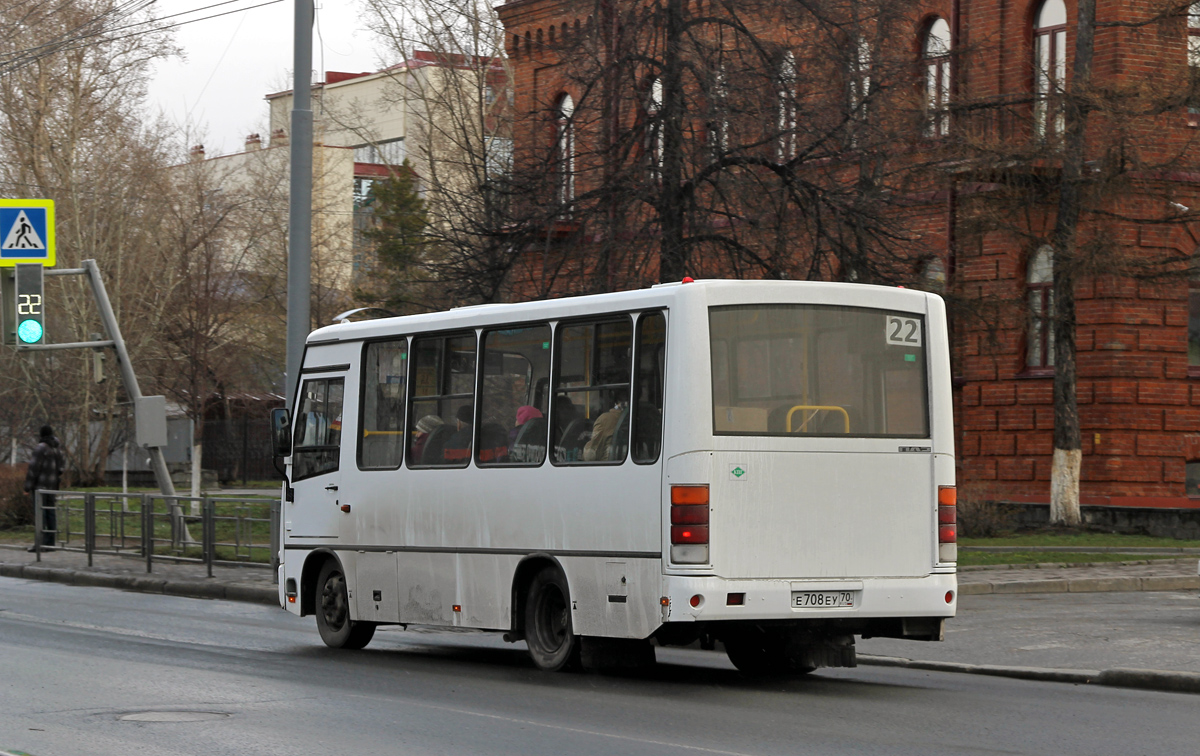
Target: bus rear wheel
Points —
{"points": [[549, 634], [333, 612]]}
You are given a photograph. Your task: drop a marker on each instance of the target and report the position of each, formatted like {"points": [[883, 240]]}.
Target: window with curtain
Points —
{"points": [[1049, 68], [937, 79], [1193, 53], [654, 130], [564, 149], [785, 148], [1039, 286]]}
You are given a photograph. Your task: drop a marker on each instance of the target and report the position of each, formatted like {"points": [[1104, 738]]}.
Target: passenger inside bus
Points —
{"points": [[458, 446], [600, 447], [527, 439], [425, 426]]}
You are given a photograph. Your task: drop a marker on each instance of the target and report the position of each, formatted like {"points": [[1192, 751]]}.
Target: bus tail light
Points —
{"points": [[689, 524], [947, 524]]}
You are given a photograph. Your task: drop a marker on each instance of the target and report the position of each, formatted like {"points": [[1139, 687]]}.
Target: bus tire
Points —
{"points": [[549, 633], [333, 611], [760, 653]]}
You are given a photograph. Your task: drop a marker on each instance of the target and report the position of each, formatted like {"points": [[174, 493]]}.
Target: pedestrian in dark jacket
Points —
{"points": [[45, 473]]}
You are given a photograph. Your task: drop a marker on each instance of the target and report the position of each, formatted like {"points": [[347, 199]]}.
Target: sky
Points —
{"points": [[233, 61]]}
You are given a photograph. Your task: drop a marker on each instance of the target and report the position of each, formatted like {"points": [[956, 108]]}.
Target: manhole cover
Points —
{"points": [[172, 716]]}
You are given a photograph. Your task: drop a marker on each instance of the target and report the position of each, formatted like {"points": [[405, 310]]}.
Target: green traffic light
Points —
{"points": [[29, 331]]}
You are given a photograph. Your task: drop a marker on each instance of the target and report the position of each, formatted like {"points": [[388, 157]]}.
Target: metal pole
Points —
{"points": [[89, 524], [148, 530], [38, 519], [210, 533], [300, 197], [127, 375]]}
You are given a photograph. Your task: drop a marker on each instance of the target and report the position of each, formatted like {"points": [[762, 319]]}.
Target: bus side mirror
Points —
{"points": [[281, 432]]}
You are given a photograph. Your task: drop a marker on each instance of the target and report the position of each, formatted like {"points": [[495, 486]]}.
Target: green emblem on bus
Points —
{"points": [[738, 472]]}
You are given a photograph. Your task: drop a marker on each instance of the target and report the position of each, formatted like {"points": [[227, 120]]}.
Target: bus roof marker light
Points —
{"points": [[688, 279]]}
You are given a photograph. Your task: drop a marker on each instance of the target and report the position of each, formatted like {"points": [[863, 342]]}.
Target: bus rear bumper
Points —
{"points": [[715, 599]]}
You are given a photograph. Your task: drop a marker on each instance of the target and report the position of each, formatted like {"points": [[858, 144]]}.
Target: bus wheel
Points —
{"points": [[333, 612], [759, 653], [552, 642]]}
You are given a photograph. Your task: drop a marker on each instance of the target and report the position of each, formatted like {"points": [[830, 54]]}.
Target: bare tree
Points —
{"points": [[72, 128], [1070, 168]]}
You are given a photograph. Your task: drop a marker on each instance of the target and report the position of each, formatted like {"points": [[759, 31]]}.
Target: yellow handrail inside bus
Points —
{"points": [[382, 433], [816, 408]]}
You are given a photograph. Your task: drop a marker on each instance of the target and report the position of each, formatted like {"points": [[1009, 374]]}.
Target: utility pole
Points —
{"points": [[300, 198]]}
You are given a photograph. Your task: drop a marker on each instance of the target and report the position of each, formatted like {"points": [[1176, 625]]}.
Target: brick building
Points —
{"points": [[956, 104]]}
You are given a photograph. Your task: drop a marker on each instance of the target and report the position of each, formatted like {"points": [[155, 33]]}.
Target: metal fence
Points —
{"points": [[232, 531]]}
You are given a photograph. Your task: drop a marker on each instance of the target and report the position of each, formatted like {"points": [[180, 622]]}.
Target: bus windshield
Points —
{"points": [[818, 370]]}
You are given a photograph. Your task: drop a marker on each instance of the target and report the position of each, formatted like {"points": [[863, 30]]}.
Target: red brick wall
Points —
{"points": [[1139, 411]]}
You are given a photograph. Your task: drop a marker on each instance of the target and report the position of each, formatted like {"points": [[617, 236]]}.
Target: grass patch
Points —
{"points": [[1105, 540]]}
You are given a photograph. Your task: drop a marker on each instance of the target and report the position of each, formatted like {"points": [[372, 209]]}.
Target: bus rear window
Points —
{"points": [[818, 370]]}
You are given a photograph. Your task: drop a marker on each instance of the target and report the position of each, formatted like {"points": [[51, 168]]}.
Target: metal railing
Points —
{"points": [[232, 531]]}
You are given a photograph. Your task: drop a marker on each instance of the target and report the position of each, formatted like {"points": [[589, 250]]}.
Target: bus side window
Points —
{"points": [[651, 359], [590, 409], [385, 374], [318, 438], [512, 416], [440, 418]]}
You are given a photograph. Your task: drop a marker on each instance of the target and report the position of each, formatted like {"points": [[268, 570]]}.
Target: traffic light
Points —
{"points": [[28, 299]]}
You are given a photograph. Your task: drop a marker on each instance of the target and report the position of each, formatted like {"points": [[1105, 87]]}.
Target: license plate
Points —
{"points": [[822, 599]]}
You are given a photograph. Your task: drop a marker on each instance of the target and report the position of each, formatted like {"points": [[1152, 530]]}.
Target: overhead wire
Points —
{"points": [[120, 11], [60, 44]]}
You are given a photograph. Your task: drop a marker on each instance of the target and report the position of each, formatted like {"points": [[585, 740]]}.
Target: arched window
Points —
{"points": [[785, 148], [564, 152], [1049, 67], [654, 130], [718, 126], [933, 274], [1040, 289], [1193, 56], [936, 51], [1193, 331], [859, 77]]}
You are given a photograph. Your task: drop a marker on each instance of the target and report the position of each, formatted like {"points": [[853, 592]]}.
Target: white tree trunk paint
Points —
{"points": [[1064, 486], [197, 453]]}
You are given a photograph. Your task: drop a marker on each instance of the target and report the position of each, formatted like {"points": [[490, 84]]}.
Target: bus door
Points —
{"points": [[316, 455]]}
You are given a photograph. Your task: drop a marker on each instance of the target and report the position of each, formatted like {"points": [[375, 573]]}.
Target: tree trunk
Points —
{"points": [[1068, 443], [672, 265]]}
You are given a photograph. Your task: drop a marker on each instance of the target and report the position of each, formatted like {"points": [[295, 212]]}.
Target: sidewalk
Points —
{"points": [[255, 584], [1010, 623]]}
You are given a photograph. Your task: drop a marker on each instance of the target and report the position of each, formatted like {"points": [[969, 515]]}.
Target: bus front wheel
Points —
{"points": [[333, 612], [549, 634]]}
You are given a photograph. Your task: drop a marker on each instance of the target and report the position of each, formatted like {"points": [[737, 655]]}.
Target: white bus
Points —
{"points": [[768, 465]]}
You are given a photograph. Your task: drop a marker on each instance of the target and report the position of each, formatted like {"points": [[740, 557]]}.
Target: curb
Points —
{"points": [[184, 588], [1084, 585], [1146, 679]]}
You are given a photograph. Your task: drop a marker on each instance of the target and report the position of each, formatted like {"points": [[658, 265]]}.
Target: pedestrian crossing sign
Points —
{"points": [[26, 232]]}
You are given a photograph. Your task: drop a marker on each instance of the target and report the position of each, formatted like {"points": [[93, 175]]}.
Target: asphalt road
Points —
{"points": [[76, 662]]}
